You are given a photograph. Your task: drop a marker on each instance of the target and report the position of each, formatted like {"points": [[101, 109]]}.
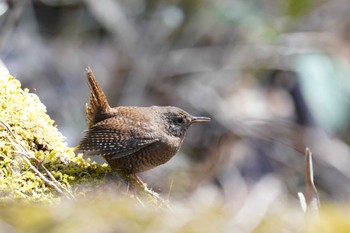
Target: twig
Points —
{"points": [[311, 194], [310, 200], [50, 183], [25, 154], [70, 194], [18, 142]]}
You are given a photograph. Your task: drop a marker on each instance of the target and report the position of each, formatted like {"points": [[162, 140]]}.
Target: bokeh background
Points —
{"points": [[273, 76]]}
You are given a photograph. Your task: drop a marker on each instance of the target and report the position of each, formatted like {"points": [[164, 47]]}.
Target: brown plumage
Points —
{"points": [[98, 109], [133, 139]]}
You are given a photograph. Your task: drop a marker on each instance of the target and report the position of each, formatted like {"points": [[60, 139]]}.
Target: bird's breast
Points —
{"points": [[147, 158]]}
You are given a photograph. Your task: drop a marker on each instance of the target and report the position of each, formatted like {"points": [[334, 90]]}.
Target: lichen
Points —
{"points": [[35, 162]]}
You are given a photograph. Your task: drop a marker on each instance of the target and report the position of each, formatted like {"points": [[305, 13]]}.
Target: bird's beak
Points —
{"points": [[196, 119]]}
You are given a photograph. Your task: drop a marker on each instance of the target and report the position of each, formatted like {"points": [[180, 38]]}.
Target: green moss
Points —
{"points": [[35, 163]]}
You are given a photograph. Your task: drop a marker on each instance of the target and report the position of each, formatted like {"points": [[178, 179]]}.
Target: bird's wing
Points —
{"points": [[106, 139]]}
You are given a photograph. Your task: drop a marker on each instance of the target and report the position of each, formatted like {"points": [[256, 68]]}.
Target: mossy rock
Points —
{"points": [[35, 162]]}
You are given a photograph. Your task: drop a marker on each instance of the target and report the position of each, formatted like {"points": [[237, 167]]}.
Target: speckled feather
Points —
{"points": [[98, 109], [132, 139], [118, 136]]}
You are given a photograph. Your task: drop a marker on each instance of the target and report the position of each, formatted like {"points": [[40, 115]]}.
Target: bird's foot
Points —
{"points": [[136, 182]]}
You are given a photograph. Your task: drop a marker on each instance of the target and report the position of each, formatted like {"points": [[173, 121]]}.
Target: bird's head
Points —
{"points": [[177, 121]]}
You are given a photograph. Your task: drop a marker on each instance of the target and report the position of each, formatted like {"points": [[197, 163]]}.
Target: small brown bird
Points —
{"points": [[133, 139]]}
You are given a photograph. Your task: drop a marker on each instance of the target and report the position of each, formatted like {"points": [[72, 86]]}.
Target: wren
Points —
{"points": [[133, 139]]}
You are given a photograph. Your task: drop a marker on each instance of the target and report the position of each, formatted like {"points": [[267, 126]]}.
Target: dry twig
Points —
{"points": [[26, 156]]}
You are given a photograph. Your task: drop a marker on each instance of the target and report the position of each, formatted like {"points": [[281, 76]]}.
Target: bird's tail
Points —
{"points": [[98, 105]]}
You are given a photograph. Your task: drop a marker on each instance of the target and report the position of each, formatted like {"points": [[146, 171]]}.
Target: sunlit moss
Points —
{"points": [[29, 140]]}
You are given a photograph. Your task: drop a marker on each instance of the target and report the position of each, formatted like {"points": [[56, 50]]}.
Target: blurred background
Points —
{"points": [[273, 76]]}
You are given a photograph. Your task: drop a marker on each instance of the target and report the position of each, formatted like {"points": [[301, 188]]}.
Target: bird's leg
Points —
{"points": [[143, 185], [135, 182]]}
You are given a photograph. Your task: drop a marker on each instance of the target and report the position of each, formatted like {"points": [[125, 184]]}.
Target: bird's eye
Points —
{"points": [[179, 120]]}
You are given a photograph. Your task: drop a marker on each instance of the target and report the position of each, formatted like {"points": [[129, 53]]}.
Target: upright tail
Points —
{"points": [[98, 107]]}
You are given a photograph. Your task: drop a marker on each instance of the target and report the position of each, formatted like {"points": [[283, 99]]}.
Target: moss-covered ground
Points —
{"points": [[46, 187], [35, 163]]}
